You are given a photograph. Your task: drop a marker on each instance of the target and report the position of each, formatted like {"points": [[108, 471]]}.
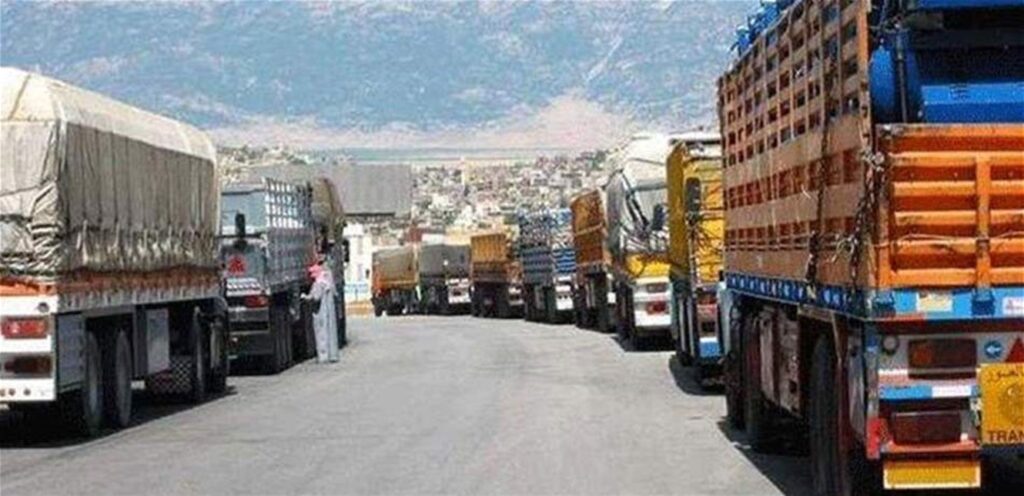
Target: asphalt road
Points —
{"points": [[426, 405]]}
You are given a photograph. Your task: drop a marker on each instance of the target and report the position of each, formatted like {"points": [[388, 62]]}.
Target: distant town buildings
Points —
{"points": [[425, 202]]}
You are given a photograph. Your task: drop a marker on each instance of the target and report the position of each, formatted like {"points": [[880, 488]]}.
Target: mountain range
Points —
{"points": [[391, 74]]}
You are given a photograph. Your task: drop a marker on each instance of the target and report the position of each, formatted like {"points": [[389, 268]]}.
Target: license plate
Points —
{"points": [[932, 474], [1002, 403]]}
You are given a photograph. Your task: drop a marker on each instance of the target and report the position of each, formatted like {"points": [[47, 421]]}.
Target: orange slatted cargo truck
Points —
{"points": [[874, 261]]}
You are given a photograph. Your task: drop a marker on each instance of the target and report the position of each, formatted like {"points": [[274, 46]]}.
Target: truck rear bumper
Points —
{"points": [[251, 343], [27, 390], [250, 333]]}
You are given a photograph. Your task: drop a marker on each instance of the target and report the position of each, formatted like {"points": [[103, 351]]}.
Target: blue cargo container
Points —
{"points": [[548, 258]]}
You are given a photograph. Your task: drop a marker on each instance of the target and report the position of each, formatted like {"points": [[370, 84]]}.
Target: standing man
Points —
{"points": [[325, 314]]}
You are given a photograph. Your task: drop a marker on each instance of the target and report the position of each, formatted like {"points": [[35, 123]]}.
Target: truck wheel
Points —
{"points": [[834, 470], [754, 408], [551, 305], [218, 382], [732, 371], [82, 410], [602, 317], [502, 308], [378, 311], [197, 373], [117, 381]]}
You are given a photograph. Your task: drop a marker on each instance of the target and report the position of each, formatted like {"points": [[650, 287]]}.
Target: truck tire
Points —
{"points": [[378, 311], [197, 372], [754, 408], [501, 306], [602, 317], [551, 306], [117, 381], [218, 382], [732, 370], [834, 471], [82, 410]]}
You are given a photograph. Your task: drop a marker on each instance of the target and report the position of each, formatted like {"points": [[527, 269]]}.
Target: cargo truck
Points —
{"points": [[696, 226], [396, 281], [548, 259], [108, 255], [444, 279], [495, 275], [875, 236], [268, 242], [593, 298], [638, 238]]}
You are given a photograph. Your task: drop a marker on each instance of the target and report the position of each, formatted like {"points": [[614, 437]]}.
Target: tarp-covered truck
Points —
{"points": [[874, 185], [108, 254], [444, 278], [638, 239], [268, 243], [548, 259], [396, 281], [696, 227], [593, 298], [495, 275]]}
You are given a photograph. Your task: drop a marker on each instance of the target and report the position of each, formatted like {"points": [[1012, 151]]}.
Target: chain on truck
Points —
{"points": [[874, 239], [108, 255]]}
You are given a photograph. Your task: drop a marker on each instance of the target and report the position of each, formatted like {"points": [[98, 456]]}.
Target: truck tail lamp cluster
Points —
{"points": [[256, 301], [34, 365], [925, 427], [942, 353], [657, 307], [25, 327]]}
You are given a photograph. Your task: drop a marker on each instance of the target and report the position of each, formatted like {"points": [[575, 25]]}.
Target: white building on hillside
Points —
{"points": [[359, 271]]}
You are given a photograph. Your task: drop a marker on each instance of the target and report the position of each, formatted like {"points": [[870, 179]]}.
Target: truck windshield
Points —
{"points": [[249, 203], [648, 194]]}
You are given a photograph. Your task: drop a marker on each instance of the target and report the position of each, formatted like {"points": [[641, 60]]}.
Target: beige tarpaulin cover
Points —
{"points": [[87, 182], [635, 186]]}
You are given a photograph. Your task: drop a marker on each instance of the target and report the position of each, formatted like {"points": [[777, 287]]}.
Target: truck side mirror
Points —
{"points": [[658, 217], [240, 225], [344, 249], [693, 195]]}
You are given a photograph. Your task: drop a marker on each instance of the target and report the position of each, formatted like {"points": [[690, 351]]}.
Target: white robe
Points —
{"points": [[325, 319]]}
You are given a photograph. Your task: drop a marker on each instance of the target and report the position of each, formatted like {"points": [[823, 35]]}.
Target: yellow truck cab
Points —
{"points": [[696, 228], [637, 239]]}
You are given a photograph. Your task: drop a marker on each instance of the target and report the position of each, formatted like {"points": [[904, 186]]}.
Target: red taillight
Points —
{"points": [[33, 365], [1016, 354], [256, 301], [925, 427], [657, 307], [656, 287], [25, 327], [707, 299], [942, 353]]}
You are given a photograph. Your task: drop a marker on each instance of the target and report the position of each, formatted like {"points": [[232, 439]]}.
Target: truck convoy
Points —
{"points": [[268, 240], [874, 248], [637, 239], [444, 278], [395, 282], [593, 298], [548, 260], [108, 255], [496, 276], [696, 226]]}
